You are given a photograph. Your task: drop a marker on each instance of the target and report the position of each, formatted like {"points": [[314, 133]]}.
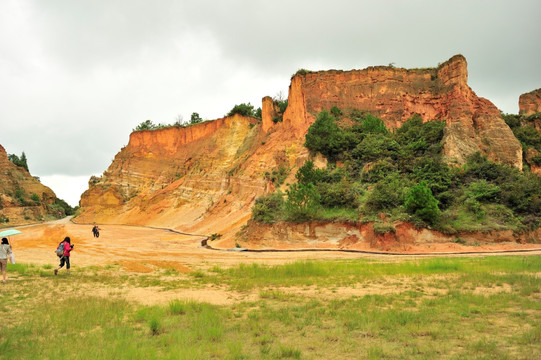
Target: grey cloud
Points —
{"points": [[77, 76]]}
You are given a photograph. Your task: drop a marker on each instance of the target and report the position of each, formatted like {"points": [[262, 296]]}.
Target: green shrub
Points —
{"points": [[281, 105], [380, 171], [336, 112], [326, 137], [385, 196], [528, 136], [422, 204], [19, 161], [342, 194], [242, 109], [373, 125], [375, 147], [308, 174], [513, 121], [195, 118], [434, 172], [301, 72], [523, 194], [303, 202], [145, 125], [278, 175], [268, 208], [474, 207], [35, 198], [483, 191], [417, 137]]}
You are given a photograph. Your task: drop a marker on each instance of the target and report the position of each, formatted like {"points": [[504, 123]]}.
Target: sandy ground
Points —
{"points": [[141, 250]]}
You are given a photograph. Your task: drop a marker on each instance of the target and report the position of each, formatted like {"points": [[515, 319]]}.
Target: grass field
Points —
{"points": [[450, 308]]}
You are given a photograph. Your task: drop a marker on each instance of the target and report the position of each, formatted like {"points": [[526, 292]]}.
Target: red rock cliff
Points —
{"points": [[178, 177], [394, 94], [530, 103]]}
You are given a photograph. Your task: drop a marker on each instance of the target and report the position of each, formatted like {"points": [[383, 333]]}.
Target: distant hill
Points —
{"points": [[23, 199]]}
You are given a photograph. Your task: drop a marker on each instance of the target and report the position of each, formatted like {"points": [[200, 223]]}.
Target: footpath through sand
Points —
{"points": [[140, 249]]}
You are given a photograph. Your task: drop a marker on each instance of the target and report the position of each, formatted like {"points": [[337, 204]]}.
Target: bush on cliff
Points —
{"points": [[422, 204], [372, 170], [268, 208], [245, 110], [19, 161], [145, 125], [303, 202]]}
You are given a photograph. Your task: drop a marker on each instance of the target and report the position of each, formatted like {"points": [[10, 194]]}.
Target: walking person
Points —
{"points": [[5, 253], [96, 231], [65, 258]]}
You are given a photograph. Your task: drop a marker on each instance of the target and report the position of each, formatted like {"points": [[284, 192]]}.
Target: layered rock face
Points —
{"points": [[473, 123], [16, 189], [186, 178], [530, 103]]}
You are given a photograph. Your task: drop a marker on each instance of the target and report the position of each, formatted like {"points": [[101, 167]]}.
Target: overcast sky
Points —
{"points": [[77, 76]]}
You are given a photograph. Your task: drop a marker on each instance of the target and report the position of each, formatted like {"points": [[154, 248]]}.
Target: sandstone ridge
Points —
{"points": [[205, 178], [395, 94]]}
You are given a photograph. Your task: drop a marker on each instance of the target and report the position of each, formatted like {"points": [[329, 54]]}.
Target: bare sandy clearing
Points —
{"points": [[142, 249]]}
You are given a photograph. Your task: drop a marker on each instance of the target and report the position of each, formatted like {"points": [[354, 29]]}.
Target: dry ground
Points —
{"points": [[140, 250]]}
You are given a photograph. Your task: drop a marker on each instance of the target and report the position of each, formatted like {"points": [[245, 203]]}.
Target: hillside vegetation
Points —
{"points": [[374, 174]]}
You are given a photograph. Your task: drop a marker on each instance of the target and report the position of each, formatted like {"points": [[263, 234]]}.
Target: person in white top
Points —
{"points": [[5, 253]]}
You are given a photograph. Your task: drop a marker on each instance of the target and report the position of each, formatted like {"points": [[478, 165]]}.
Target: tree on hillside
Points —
{"points": [[326, 137], [19, 161], [243, 109], [422, 204], [145, 125], [195, 118]]}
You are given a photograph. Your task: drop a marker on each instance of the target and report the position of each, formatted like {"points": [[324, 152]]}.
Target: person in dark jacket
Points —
{"points": [[65, 259]]}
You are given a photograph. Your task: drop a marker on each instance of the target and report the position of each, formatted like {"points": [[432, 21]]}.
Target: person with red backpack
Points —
{"points": [[63, 251]]}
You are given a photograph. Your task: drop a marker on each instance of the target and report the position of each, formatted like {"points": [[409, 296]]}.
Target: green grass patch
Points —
{"points": [[425, 308]]}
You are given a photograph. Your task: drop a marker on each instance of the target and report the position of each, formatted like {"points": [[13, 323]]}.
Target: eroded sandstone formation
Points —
{"points": [[394, 94], [205, 178], [16, 189], [178, 177], [530, 103]]}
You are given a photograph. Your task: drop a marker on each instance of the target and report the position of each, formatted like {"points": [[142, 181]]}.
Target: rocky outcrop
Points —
{"points": [[179, 178], [23, 199], [268, 112], [530, 103], [362, 236], [394, 94]]}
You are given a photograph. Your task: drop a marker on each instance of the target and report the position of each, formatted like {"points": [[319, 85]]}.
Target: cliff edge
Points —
{"points": [[395, 94]]}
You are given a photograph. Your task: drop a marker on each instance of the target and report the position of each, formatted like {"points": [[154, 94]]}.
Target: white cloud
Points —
{"points": [[68, 188]]}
